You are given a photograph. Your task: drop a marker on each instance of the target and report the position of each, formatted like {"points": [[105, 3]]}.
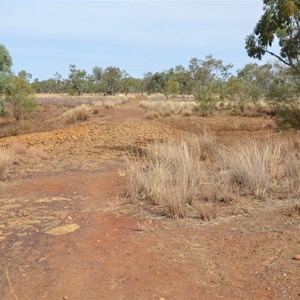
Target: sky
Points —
{"points": [[44, 37]]}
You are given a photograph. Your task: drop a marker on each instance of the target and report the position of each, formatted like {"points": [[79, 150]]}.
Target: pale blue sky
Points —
{"points": [[139, 36]]}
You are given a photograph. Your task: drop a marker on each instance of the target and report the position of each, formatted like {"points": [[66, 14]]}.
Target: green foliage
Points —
{"points": [[284, 94], [18, 94], [3, 111], [5, 65], [240, 90], [288, 117], [24, 75], [5, 59], [280, 22], [172, 87], [129, 84], [77, 80], [206, 99], [184, 79], [111, 77]]}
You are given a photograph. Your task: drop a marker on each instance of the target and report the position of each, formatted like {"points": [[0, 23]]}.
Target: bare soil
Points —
{"points": [[68, 231]]}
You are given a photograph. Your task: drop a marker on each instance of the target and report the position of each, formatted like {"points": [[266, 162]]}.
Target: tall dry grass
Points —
{"points": [[254, 165], [6, 161], [199, 172], [292, 166], [167, 108], [168, 175]]}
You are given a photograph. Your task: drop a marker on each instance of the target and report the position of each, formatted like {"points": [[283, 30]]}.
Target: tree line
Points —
{"points": [[208, 79]]}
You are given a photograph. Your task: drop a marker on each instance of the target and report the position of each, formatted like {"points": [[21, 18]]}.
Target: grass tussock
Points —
{"points": [[292, 167], [168, 175], [254, 165], [6, 161], [79, 113], [191, 177]]}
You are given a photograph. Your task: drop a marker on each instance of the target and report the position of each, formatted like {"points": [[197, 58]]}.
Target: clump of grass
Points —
{"points": [[80, 113], [150, 115], [254, 165], [186, 112], [292, 167], [169, 176], [6, 161], [167, 108], [204, 144], [108, 104]]}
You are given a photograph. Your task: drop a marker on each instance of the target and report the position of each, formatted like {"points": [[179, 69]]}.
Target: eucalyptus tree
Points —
{"points": [[77, 79], [280, 23], [111, 77]]}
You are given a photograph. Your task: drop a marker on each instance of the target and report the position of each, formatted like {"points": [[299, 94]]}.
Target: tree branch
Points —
{"points": [[281, 59]]}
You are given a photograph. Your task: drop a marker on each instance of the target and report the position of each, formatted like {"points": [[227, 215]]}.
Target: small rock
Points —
{"points": [[296, 257], [65, 297]]}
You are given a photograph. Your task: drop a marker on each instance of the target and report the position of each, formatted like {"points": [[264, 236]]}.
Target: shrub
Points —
{"points": [[19, 95], [288, 117], [169, 176]]}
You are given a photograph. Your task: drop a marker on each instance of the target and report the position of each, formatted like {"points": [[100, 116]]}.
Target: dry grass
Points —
{"points": [[181, 177], [169, 176], [19, 148], [80, 113], [22, 154], [254, 165], [6, 161], [150, 115], [292, 167], [84, 111], [190, 178], [168, 108]]}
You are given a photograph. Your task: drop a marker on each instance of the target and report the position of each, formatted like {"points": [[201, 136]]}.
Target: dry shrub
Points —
{"points": [[169, 176], [6, 161], [254, 165], [80, 113]]}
